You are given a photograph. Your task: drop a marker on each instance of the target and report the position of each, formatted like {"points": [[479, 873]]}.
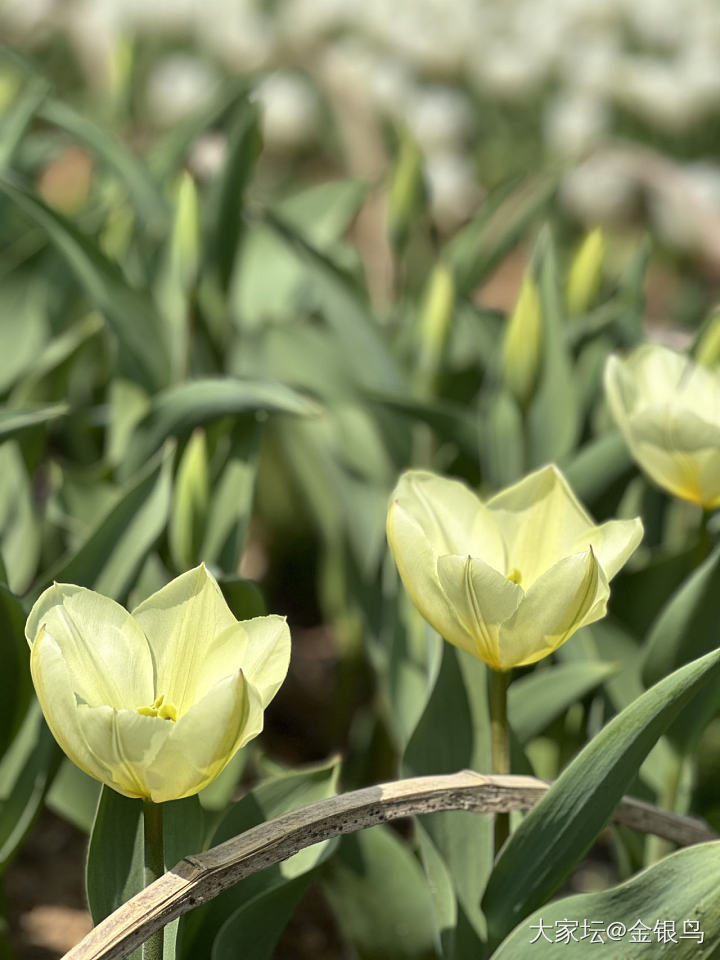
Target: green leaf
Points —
{"points": [[129, 313], [476, 249], [380, 898], [686, 626], [26, 772], [683, 887], [253, 930], [114, 870], [179, 409], [452, 734], [230, 507], [74, 796], [685, 629], [16, 118], [535, 700], [269, 799], [244, 597], [111, 557], [20, 532], [244, 145], [13, 422], [559, 830], [553, 415], [323, 212], [15, 683], [146, 196], [24, 329], [190, 503], [598, 466]]}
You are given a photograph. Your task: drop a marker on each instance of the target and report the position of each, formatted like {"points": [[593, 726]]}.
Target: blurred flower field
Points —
{"points": [[401, 325]]}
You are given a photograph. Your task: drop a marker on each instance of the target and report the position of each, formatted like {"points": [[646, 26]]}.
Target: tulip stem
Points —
{"points": [[499, 744], [154, 867]]}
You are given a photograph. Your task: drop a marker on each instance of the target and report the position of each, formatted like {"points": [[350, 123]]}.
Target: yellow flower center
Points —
{"points": [[160, 708], [515, 576]]}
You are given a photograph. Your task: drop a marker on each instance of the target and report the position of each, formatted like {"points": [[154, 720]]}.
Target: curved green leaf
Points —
{"points": [[130, 314], [26, 772], [181, 408], [14, 421], [15, 683], [111, 557], [559, 830], [650, 914]]}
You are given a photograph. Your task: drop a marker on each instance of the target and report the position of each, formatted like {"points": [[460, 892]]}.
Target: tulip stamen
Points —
{"points": [[515, 576], [160, 708]]}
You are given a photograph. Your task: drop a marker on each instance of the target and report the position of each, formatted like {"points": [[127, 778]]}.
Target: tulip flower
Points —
{"points": [[153, 703], [668, 410], [509, 580]]}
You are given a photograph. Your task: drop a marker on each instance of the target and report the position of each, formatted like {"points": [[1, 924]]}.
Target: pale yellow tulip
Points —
{"points": [[153, 703], [509, 580], [668, 410]]}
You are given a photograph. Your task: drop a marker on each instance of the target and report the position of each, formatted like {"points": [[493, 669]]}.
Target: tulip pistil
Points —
{"points": [[160, 708], [515, 576]]}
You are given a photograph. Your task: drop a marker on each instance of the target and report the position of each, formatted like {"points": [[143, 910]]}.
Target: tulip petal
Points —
{"points": [[483, 599], [105, 651], [189, 627], [54, 688], [264, 652], [205, 739], [417, 564], [540, 518], [612, 543], [128, 744], [668, 410], [453, 519], [571, 594]]}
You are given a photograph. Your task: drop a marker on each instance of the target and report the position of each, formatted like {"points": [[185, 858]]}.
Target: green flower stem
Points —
{"points": [[154, 867], [499, 744], [704, 544]]}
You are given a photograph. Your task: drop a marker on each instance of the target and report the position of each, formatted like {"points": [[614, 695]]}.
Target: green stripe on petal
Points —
{"points": [[571, 594], [483, 599]]}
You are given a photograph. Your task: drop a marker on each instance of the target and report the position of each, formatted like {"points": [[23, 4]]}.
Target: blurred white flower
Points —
{"points": [[453, 187], [575, 122], [599, 190], [440, 117], [290, 111], [681, 215], [178, 86]]}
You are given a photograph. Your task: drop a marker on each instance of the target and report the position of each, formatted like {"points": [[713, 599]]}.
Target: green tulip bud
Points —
{"points": [[522, 347], [585, 273]]}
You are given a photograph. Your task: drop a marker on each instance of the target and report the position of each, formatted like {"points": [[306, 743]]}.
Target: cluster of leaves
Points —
{"points": [[178, 356]]}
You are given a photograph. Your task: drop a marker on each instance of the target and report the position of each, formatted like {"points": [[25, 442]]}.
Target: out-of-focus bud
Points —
{"points": [[436, 316], [407, 191], [189, 511], [707, 351], [522, 348], [185, 241], [585, 273]]}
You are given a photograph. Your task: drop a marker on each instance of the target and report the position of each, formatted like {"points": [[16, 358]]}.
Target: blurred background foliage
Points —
{"points": [[259, 257]]}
